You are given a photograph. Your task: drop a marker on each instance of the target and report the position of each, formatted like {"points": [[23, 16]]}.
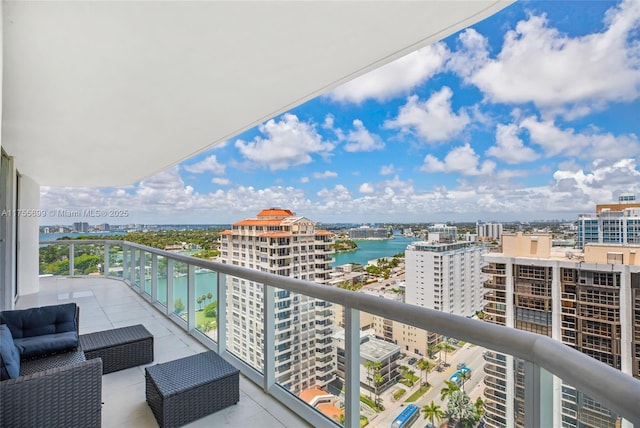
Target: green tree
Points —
{"points": [[178, 306], [432, 412], [448, 390], [425, 366], [211, 310], [460, 408], [446, 347], [464, 377], [368, 365]]}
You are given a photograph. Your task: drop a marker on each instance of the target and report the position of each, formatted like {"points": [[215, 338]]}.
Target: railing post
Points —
{"points": [[72, 269], [105, 265], [538, 396], [352, 367], [191, 297], [125, 262], [269, 341], [170, 299], [141, 271], [221, 328], [154, 278]]}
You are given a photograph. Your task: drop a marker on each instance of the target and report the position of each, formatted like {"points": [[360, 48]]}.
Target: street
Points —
{"points": [[469, 354]]}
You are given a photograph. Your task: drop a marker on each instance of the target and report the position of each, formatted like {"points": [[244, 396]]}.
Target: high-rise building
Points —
{"points": [[612, 223], [446, 277], [489, 231], [81, 227], [589, 301], [279, 242], [366, 232]]}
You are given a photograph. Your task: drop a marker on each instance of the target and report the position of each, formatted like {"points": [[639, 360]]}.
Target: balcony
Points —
{"points": [[110, 303], [169, 277]]}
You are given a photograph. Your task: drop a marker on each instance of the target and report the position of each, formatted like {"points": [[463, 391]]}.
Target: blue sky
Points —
{"points": [[531, 114]]}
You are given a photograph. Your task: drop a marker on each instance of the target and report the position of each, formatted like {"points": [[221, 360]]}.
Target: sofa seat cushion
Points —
{"points": [[46, 344], [41, 321], [9, 355]]}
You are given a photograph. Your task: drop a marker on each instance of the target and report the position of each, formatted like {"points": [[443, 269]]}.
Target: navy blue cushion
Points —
{"points": [[9, 355], [46, 344], [40, 321]]}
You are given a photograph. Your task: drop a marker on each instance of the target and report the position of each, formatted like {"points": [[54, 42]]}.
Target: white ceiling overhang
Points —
{"points": [[108, 93]]}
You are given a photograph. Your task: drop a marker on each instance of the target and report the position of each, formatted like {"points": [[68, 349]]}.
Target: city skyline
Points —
{"points": [[531, 114]]}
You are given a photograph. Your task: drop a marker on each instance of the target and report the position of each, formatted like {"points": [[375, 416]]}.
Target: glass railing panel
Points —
{"points": [[306, 362], [88, 259], [127, 262], [206, 299], [137, 255], [180, 290], [162, 280], [245, 320], [116, 261], [54, 259], [147, 259]]}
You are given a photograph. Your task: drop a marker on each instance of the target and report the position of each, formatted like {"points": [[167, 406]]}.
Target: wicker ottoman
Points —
{"points": [[190, 388], [119, 348]]}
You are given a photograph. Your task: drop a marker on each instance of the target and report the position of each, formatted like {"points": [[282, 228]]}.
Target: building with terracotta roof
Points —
{"points": [[280, 242]]}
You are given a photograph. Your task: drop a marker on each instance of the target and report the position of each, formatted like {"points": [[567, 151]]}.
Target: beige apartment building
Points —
{"points": [[279, 242], [589, 300]]}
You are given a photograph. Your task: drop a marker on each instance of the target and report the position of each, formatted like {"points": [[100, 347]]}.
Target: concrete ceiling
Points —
{"points": [[108, 93]]}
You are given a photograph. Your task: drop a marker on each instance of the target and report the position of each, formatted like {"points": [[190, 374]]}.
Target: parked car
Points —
{"points": [[412, 361], [460, 365]]}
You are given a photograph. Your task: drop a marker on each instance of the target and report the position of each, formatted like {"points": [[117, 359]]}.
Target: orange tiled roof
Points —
{"points": [[226, 232], [275, 212], [309, 394], [324, 232], [330, 410]]}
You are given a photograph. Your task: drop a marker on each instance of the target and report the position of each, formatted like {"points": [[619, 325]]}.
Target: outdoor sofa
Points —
{"points": [[45, 379]]}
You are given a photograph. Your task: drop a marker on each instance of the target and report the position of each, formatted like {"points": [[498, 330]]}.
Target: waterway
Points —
{"points": [[74, 235], [369, 249]]}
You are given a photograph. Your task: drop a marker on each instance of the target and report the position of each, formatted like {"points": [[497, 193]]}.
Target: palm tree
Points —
{"points": [[448, 390], [432, 412], [425, 367], [369, 366], [464, 376], [377, 380], [446, 347]]}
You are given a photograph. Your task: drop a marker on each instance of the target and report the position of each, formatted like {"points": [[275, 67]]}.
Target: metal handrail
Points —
{"points": [[618, 391]]}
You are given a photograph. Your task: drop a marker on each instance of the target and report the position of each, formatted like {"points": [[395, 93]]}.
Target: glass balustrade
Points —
{"points": [[315, 349]]}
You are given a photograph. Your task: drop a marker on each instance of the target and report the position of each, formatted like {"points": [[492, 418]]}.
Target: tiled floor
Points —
{"points": [[106, 304]]}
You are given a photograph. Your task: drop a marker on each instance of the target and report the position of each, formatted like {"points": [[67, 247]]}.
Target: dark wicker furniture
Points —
{"points": [[59, 391], [190, 388], [119, 348]]}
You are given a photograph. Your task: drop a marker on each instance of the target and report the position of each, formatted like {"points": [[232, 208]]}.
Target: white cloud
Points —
{"points": [[509, 147], [588, 144], [208, 164], [394, 79], [288, 142], [221, 181], [433, 120], [326, 174], [361, 140], [600, 184], [462, 160], [304, 179], [387, 169], [366, 188], [558, 73]]}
